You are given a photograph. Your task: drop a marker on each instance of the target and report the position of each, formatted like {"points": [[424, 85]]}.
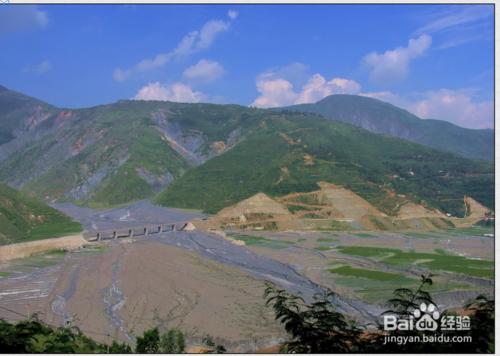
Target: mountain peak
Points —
{"points": [[384, 118]]}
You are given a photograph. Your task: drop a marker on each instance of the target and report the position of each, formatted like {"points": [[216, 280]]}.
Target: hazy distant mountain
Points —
{"points": [[383, 118], [210, 156]]}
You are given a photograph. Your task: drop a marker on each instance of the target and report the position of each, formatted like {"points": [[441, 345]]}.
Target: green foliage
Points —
{"points": [[33, 336], [24, 218], [319, 328], [406, 300], [149, 342], [118, 348], [483, 327], [172, 342], [315, 327]]}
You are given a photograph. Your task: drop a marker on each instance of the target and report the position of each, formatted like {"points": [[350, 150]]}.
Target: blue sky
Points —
{"points": [[434, 60]]}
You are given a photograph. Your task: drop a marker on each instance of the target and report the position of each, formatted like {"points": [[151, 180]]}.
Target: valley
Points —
{"points": [[143, 214], [212, 282]]}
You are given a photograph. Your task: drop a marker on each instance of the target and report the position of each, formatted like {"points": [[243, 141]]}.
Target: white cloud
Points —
{"points": [[388, 97], [456, 106], [204, 71], [177, 92], [232, 14], [460, 24], [317, 88], [392, 65], [208, 33], [276, 90], [15, 18], [40, 68], [456, 16], [193, 42]]}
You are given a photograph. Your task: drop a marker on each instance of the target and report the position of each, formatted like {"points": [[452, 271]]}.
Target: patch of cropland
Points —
{"points": [[383, 118], [292, 152], [23, 218], [250, 240], [371, 267], [439, 261]]}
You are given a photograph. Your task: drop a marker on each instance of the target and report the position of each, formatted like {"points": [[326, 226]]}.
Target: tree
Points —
{"points": [[482, 330], [319, 328], [314, 328], [34, 336], [119, 348], [172, 342], [149, 343], [406, 300]]}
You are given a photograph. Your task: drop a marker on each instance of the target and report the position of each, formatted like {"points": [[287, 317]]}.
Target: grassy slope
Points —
{"points": [[23, 218], [343, 154], [381, 117], [148, 152]]}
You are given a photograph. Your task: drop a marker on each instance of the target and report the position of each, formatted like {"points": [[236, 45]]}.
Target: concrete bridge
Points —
{"points": [[145, 231]]}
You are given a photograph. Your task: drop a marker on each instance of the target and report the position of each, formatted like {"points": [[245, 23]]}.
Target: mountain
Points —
{"points": [[24, 218], [291, 152], [383, 118], [111, 154], [19, 113], [209, 156]]}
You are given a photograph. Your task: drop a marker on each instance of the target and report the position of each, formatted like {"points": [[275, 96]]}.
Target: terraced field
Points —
{"points": [[370, 265]]}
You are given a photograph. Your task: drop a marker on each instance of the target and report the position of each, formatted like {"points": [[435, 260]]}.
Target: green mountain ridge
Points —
{"points": [[380, 117], [208, 156], [117, 153], [290, 152]]}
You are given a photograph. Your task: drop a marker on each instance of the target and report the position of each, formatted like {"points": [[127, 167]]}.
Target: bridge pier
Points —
{"points": [[132, 232]]}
